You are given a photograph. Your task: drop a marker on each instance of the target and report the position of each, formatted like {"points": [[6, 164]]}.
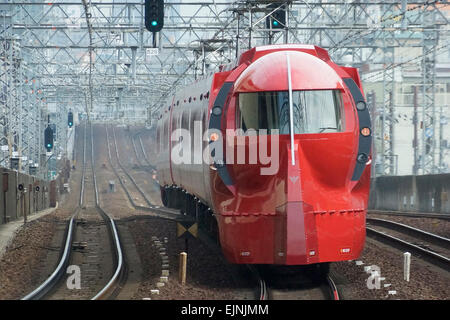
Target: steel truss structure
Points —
{"points": [[96, 57]]}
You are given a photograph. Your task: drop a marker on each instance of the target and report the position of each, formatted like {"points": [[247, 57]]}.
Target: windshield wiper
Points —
{"points": [[325, 128]]}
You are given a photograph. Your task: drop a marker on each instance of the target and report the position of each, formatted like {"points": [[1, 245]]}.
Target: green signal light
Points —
{"points": [[154, 23], [275, 23], [49, 145]]}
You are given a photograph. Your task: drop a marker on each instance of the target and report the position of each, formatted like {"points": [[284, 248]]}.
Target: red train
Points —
{"points": [[289, 136]]}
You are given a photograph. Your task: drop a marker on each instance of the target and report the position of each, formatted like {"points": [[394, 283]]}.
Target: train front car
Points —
{"points": [[292, 184]]}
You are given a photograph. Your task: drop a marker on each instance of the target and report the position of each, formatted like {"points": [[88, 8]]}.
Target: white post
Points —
{"points": [[406, 265], [183, 267]]}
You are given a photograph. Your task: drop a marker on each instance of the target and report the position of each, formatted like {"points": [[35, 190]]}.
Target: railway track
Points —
{"points": [[90, 230], [301, 285], [411, 214], [425, 245], [140, 154], [134, 193], [144, 153], [145, 166], [120, 171]]}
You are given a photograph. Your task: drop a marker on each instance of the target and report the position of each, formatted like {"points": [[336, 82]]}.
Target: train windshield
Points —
{"points": [[315, 111]]}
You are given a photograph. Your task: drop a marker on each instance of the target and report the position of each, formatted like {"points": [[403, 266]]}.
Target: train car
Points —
{"points": [[273, 154]]}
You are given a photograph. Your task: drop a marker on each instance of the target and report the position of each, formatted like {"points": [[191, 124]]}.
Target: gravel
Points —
{"points": [[21, 264], [209, 276], [426, 282]]}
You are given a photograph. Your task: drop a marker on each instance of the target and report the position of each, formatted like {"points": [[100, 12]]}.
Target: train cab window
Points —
{"points": [[315, 111]]}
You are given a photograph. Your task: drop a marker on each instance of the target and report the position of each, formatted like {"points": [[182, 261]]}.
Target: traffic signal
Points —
{"points": [[154, 15], [48, 138], [70, 119], [277, 20]]}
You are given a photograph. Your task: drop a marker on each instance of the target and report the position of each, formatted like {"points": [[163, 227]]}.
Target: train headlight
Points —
{"points": [[214, 137], [365, 132], [361, 106]]}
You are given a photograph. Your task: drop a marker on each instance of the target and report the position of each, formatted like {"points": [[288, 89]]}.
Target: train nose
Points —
{"points": [[297, 243], [313, 226]]}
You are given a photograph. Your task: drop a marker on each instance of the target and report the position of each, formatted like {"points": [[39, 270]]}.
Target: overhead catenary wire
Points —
{"points": [[396, 65]]}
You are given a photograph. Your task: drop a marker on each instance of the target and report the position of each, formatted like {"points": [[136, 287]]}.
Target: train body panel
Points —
{"points": [[309, 206]]}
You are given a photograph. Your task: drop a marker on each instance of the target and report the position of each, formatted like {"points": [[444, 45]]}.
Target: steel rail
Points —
{"points": [[51, 281], [48, 284], [428, 236], [138, 135], [149, 165], [143, 166], [145, 153], [263, 290], [117, 174], [112, 283], [263, 293], [136, 152], [128, 175], [333, 288], [424, 254], [411, 214], [115, 279], [160, 211]]}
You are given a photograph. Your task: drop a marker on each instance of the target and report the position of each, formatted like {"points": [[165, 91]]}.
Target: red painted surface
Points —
{"points": [[305, 213]]}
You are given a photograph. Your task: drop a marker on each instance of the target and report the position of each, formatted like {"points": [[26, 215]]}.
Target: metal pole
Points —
{"points": [[391, 133], [415, 144], [286, 28], [250, 33], [237, 35], [291, 109]]}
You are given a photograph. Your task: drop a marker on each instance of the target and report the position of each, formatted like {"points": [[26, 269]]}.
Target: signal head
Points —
{"points": [[154, 15]]}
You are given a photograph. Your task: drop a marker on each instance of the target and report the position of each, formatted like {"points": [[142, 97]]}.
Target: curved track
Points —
{"points": [[53, 287], [136, 196], [140, 153], [120, 171]]}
